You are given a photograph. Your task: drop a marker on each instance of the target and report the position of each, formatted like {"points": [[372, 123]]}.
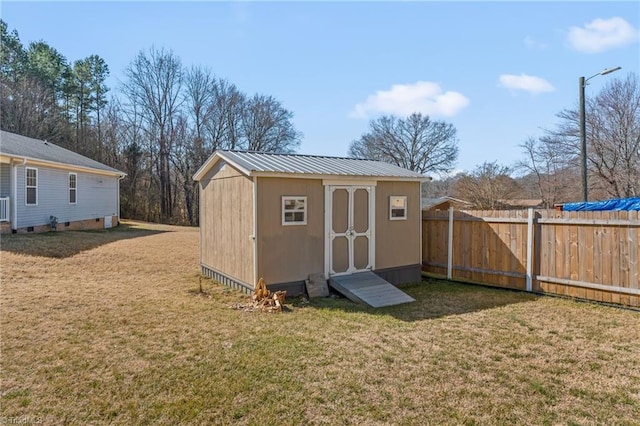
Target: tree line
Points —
{"points": [[549, 170], [165, 119], [159, 126]]}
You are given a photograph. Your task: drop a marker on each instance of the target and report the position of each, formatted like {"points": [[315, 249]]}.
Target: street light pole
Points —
{"points": [[583, 131]]}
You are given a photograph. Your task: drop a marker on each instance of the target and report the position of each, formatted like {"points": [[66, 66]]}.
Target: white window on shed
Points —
{"points": [[397, 208], [31, 184], [73, 188], [294, 210]]}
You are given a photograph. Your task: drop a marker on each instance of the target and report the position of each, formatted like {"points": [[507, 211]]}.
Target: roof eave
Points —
{"points": [[221, 155], [37, 161], [336, 176], [212, 161]]}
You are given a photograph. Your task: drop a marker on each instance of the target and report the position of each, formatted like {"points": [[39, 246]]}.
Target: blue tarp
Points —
{"points": [[616, 204]]}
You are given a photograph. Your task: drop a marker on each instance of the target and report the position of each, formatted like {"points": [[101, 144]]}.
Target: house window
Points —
{"points": [[397, 208], [294, 210], [73, 187], [32, 186]]}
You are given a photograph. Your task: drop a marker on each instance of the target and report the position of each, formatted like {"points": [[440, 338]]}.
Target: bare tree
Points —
{"points": [[159, 128], [26, 107], [198, 100], [154, 81], [191, 147], [416, 143], [129, 140], [551, 169], [613, 138], [184, 168], [225, 130], [486, 186], [267, 126], [213, 109]]}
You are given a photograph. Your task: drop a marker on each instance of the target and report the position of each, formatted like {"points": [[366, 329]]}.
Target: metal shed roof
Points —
{"points": [[260, 163], [14, 145]]}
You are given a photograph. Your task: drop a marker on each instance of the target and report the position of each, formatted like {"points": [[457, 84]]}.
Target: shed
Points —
{"points": [[44, 186], [282, 217]]}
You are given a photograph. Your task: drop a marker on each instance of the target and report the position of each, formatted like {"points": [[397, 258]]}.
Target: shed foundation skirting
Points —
{"points": [[399, 275], [223, 279], [77, 225], [295, 288]]}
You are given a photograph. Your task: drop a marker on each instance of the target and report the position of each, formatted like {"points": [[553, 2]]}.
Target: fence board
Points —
{"points": [[467, 248], [547, 253], [634, 247], [634, 262], [597, 256], [607, 254], [590, 255], [573, 235], [589, 273], [477, 252]]}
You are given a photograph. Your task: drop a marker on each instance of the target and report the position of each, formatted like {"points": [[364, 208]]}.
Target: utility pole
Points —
{"points": [[583, 131]]}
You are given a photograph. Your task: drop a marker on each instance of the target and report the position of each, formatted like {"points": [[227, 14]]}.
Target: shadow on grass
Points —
{"points": [[69, 243], [435, 298]]}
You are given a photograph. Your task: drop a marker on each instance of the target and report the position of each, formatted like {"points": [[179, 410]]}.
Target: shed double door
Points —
{"points": [[350, 238]]}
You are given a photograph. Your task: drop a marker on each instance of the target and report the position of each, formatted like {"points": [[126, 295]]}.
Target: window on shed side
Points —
{"points": [[397, 208], [31, 184], [73, 188], [294, 210]]}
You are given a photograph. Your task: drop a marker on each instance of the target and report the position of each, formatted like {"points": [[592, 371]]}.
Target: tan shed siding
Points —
{"points": [[397, 241], [226, 223], [289, 253]]}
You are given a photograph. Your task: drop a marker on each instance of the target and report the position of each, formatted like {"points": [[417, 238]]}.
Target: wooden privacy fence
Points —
{"points": [[589, 255]]}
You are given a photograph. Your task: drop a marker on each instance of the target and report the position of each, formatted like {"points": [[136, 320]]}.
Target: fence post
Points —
{"points": [[530, 245], [450, 246]]}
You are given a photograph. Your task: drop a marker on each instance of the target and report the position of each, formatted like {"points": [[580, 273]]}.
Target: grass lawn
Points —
{"points": [[108, 327]]}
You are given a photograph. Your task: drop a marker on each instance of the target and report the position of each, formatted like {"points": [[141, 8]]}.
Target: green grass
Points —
{"points": [[117, 332]]}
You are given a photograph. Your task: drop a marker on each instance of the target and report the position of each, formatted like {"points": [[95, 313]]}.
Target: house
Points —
{"points": [[282, 217], [443, 203], [518, 204], [44, 187]]}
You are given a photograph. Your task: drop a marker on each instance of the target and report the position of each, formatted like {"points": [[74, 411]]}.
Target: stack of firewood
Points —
{"points": [[266, 301], [263, 300]]}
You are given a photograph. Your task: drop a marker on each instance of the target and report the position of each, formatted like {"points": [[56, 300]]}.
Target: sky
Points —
{"points": [[498, 71]]}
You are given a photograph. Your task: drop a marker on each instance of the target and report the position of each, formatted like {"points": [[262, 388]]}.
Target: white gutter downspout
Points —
{"points": [[14, 196]]}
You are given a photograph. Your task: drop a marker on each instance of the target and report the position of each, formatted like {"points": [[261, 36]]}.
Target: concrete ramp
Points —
{"points": [[369, 289]]}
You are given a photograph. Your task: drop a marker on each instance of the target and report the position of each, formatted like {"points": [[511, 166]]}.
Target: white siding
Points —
{"points": [[97, 197], [5, 180]]}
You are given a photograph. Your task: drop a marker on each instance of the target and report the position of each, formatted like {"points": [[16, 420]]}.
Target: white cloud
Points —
{"points": [[531, 43], [404, 99], [602, 34], [528, 83]]}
